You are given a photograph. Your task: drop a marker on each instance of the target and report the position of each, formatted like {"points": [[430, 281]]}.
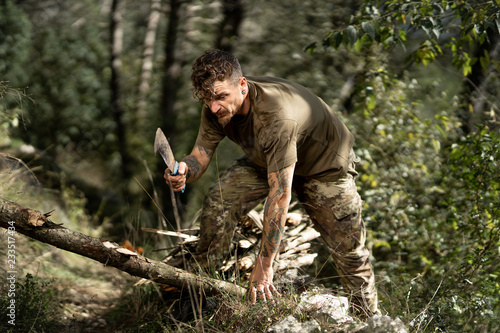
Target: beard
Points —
{"points": [[225, 118]]}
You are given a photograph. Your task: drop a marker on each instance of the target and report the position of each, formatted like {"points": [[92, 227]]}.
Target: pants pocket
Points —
{"points": [[347, 210], [349, 227]]}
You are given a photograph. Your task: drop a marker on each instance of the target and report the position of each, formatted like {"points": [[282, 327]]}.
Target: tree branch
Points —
{"points": [[36, 225]]}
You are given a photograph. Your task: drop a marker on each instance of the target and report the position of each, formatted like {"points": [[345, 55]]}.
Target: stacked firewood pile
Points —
{"points": [[295, 249]]}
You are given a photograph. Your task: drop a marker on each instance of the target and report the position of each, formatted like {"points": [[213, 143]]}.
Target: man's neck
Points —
{"points": [[245, 107]]}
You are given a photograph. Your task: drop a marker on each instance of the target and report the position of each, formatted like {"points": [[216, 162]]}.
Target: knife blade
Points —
{"points": [[162, 146]]}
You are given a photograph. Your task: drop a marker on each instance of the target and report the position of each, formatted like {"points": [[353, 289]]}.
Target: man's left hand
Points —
{"points": [[261, 284]]}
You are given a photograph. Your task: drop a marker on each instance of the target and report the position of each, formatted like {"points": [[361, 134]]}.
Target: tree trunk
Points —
{"points": [[170, 87], [116, 31], [147, 57], [172, 68], [32, 223], [229, 27]]}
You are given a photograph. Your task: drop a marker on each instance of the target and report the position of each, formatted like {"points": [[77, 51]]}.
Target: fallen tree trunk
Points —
{"points": [[36, 225]]}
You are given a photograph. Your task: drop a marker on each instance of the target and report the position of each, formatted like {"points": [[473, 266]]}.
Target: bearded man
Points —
{"points": [[293, 144]]}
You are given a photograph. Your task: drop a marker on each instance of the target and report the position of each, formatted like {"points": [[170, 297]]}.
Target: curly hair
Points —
{"points": [[213, 65]]}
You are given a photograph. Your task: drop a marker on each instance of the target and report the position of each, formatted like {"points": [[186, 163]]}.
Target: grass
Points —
{"points": [[36, 305], [148, 308]]}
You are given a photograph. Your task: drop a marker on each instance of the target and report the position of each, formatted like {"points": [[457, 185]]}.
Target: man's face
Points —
{"points": [[227, 100]]}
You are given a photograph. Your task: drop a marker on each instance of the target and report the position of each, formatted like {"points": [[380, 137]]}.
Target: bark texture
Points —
{"points": [[117, 109], [147, 58], [36, 225]]}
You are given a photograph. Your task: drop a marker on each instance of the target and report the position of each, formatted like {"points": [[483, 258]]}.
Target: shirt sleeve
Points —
{"points": [[210, 132], [280, 144]]}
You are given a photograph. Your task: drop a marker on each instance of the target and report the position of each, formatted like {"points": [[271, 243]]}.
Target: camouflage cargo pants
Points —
{"points": [[334, 208]]}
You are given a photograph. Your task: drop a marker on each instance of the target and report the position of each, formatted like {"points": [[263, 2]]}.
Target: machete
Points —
{"points": [[162, 146]]}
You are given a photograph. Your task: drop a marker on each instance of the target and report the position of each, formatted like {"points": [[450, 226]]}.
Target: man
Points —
{"points": [[293, 143]]}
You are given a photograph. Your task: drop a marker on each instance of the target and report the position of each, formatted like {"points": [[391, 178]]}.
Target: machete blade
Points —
{"points": [[162, 146]]}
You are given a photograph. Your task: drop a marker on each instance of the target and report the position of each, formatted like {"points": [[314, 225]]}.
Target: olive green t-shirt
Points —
{"points": [[286, 124]]}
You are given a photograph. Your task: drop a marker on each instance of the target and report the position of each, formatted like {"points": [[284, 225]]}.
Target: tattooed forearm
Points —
{"points": [[275, 211], [205, 152], [197, 162], [280, 181], [193, 166], [272, 236]]}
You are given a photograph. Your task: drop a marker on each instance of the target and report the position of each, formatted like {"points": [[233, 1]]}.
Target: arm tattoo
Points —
{"points": [[275, 212], [204, 151], [273, 237], [195, 169], [193, 166]]}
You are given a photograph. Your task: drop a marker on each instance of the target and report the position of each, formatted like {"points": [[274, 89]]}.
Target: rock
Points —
{"points": [[382, 324], [311, 326], [326, 308], [292, 325], [293, 279]]}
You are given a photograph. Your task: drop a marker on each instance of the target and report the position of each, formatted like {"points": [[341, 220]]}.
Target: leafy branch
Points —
{"points": [[388, 23]]}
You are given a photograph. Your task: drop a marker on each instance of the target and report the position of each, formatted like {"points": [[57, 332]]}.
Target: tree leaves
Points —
{"points": [[352, 34], [390, 24], [369, 29]]}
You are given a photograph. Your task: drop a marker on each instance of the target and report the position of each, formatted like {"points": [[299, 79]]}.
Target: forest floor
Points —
{"points": [[73, 293], [59, 291], [87, 302]]}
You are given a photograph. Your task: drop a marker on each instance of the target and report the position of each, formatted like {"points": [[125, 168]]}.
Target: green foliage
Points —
{"points": [[400, 168], [68, 82], [474, 214], [432, 205], [11, 103], [14, 44], [389, 22], [467, 297], [36, 305], [14, 52]]}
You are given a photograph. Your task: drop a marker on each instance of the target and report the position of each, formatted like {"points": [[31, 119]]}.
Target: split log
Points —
{"points": [[293, 251], [302, 260], [36, 225], [307, 235]]}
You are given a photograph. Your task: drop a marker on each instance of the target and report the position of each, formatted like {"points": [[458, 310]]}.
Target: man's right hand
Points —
{"points": [[178, 182]]}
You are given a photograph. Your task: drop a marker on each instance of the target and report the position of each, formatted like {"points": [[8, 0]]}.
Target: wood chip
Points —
{"points": [[188, 238], [293, 219], [109, 245], [126, 252], [35, 218]]}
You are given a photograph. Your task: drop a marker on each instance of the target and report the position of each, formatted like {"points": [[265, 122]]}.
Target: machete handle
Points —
{"points": [[176, 173]]}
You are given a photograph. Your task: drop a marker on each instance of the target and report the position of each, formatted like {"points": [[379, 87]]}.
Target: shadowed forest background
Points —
{"points": [[85, 84]]}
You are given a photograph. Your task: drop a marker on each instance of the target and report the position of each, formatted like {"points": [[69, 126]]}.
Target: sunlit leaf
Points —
{"points": [[427, 26], [352, 34], [402, 35], [484, 62], [437, 8], [436, 32], [369, 29], [310, 48]]}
